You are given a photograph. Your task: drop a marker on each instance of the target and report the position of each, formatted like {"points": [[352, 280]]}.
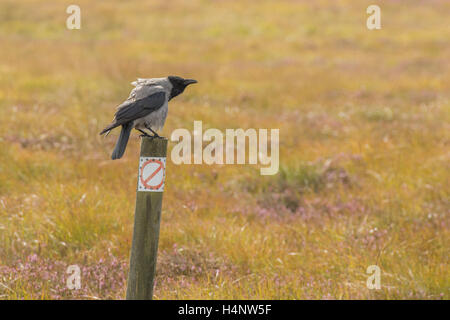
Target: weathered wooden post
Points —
{"points": [[150, 187]]}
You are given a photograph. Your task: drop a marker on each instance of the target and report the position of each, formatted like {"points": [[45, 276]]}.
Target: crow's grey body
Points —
{"points": [[145, 88], [145, 108]]}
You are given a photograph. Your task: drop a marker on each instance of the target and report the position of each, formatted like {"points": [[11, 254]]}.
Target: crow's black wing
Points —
{"points": [[132, 110]]}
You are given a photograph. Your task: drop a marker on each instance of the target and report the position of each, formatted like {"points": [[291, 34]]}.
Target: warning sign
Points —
{"points": [[152, 173]]}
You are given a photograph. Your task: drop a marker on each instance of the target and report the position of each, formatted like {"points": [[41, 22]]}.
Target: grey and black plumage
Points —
{"points": [[145, 109]]}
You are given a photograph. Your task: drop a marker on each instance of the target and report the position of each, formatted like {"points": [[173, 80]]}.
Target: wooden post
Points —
{"points": [[146, 227]]}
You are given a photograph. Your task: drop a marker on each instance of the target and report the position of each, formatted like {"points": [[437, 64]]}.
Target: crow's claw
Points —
{"points": [[155, 135], [146, 136]]}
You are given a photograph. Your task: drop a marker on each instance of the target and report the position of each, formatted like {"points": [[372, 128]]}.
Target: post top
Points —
{"points": [[156, 138], [153, 147]]}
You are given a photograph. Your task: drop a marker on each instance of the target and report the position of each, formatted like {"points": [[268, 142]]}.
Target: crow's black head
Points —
{"points": [[179, 84]]}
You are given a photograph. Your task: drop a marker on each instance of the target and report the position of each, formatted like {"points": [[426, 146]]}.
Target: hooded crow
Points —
{"points": [[145, 108]]}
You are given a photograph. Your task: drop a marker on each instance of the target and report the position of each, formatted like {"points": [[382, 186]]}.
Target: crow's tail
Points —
{"points": [[121, 144]]}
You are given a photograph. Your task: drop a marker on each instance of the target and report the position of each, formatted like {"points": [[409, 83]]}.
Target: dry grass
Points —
{"points": [[364, 120]]}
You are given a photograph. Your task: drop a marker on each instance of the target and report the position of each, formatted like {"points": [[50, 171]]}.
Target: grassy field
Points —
{"points": [[364, 120]]}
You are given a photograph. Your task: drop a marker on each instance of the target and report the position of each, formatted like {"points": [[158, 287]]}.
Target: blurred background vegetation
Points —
{"points": [[364, 120]]}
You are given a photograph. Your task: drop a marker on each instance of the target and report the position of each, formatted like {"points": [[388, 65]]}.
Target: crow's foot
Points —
{"points": [[144, 134], [155, 135], [147, 136]]}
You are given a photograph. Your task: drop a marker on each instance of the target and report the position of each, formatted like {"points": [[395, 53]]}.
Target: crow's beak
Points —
{"points": [[189, 81]]}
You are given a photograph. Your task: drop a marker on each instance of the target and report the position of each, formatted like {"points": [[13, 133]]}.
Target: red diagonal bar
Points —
{"points": [[153, 174]]}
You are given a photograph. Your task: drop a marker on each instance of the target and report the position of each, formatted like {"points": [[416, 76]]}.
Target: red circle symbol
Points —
{"points": [[146, 181]]}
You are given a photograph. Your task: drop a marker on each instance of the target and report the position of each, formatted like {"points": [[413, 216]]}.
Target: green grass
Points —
{"points": [[364, 159]]}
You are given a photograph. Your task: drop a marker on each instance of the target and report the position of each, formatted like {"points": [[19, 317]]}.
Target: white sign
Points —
{"points": [[152, 173]]}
